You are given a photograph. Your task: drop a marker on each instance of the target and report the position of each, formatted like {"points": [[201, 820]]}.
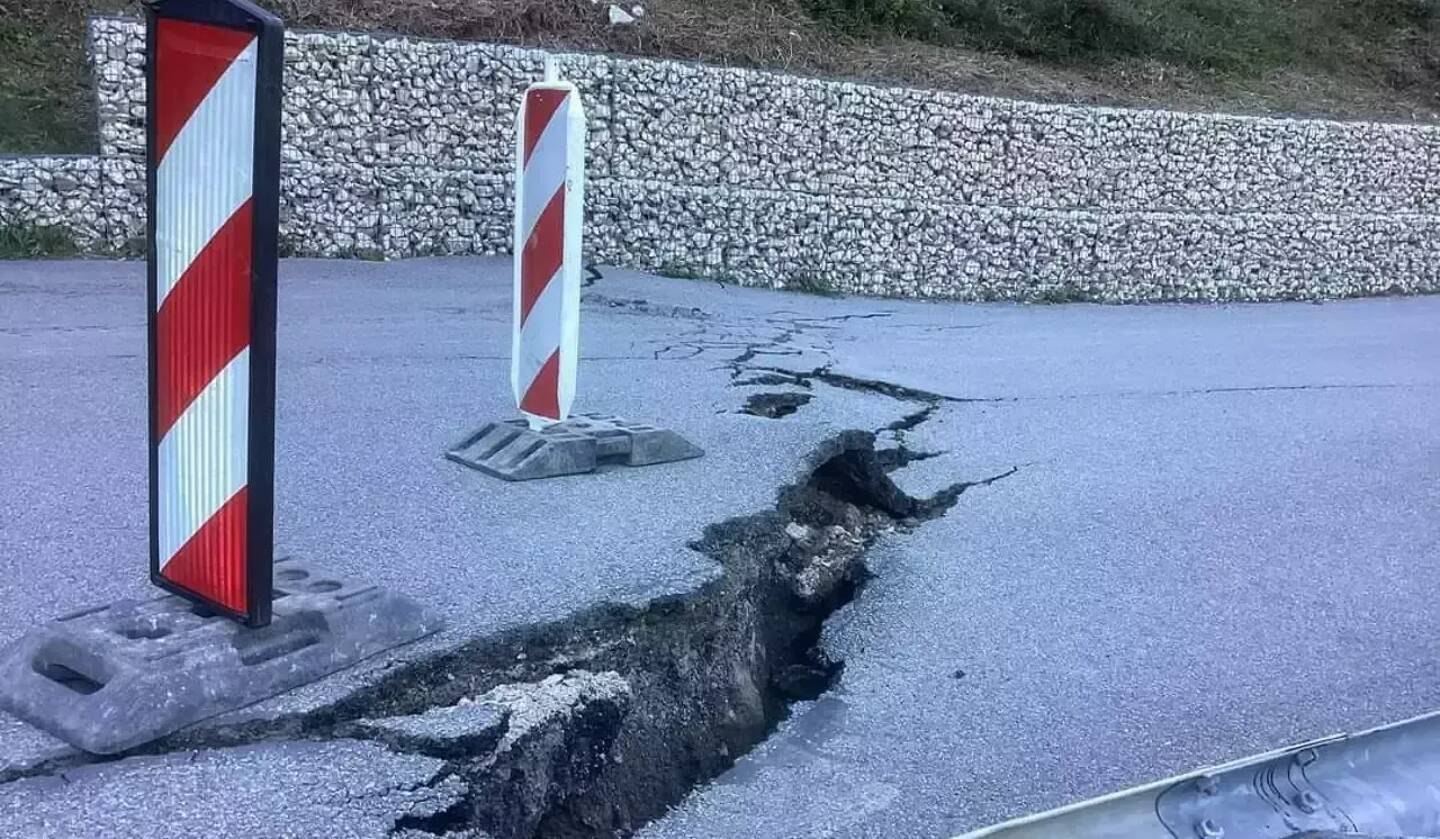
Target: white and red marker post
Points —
{"points": [[213, 75], [549, 217]]}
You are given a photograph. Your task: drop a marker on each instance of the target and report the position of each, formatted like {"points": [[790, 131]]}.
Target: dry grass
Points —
{"points": [[1328, 65], [1371, 72]]}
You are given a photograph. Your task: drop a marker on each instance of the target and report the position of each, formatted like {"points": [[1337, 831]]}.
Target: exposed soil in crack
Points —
{"points": [[701, 678], [894, 391], [775, 405], [901, 456], [910, 421], [709, 675], [773, 379]]}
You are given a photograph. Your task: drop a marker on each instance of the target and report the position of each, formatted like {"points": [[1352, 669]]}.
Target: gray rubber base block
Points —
{"points": [[513, 451], [114, 677]]}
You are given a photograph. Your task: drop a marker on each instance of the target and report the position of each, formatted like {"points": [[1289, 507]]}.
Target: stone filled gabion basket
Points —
{"points": [[397, 147]]}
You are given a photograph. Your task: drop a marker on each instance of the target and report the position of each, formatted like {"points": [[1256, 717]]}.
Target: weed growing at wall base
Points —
{"points": [[27, 240], [805, 283], [680, 271]]}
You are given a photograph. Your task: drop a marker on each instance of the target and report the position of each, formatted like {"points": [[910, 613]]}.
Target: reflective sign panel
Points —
{"points": [[549, 217], [212, 166]]}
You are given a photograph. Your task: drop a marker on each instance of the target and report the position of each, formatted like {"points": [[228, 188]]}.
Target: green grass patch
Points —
{"points": [[1351, 57], [28, 240], [1246, 37], [47, 99]]}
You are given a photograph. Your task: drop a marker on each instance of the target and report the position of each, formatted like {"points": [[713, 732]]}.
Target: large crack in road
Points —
{"points": [[695, 683], [706, 677], [598, 723]]}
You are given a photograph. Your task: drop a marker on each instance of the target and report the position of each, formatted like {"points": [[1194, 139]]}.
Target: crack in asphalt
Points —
{"points": [[910, 421], [700, 339], [786, 571]]}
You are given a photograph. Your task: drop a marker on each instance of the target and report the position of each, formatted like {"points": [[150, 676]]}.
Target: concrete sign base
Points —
{"points": [[111, 678], [515, 452]]}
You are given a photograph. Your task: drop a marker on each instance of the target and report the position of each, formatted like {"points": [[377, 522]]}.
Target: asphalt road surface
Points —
{"points": [[1221, 535]]}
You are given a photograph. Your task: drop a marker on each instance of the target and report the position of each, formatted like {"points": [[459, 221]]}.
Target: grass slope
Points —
{"points": [[46, 104], [1349, 58]]}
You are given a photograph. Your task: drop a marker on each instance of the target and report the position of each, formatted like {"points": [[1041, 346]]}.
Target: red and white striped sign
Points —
{"points": [[549, 216], [210, 291]]}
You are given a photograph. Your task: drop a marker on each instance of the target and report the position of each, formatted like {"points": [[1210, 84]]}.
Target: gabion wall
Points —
{"points": [[399, 147]]}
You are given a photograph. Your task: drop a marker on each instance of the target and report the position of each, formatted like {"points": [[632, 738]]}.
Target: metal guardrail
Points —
{"points": [[1383, 782]]}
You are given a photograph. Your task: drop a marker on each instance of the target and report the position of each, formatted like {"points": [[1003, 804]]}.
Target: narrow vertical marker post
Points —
{"points": [[549, 218], [213, 75], [545, 341]]}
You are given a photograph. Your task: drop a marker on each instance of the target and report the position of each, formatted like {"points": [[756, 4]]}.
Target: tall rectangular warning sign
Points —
{"points": [[213, 78]]}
